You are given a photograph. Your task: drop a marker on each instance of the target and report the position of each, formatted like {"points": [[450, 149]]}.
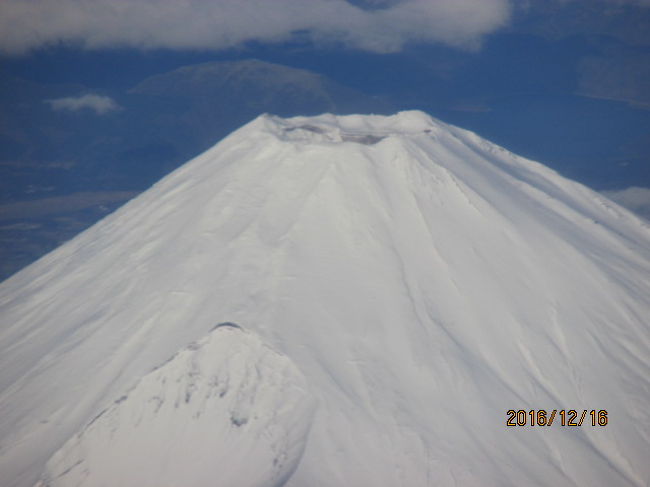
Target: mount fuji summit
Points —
{"points": [[336, 301]]}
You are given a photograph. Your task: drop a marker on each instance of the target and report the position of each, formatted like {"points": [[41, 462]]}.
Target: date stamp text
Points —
{"points": [[562, 417]]}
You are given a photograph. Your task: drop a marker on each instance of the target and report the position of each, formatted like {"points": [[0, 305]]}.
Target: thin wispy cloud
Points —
{"points": [[99, 104], [217, 24]]}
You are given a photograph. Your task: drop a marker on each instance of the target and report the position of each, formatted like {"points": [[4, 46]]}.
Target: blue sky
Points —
{"points": [[565, 82]]}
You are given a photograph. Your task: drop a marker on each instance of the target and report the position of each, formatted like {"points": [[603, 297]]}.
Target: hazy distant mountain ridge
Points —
{"points": [[276, 88], [205, 101]]}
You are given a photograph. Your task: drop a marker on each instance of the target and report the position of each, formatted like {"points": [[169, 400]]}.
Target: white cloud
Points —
{"points": [[635, 199], [218, 24], [98, 103]]}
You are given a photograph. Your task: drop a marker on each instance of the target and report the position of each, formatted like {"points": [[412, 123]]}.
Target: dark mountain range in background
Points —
{"points": [[187, 110]]}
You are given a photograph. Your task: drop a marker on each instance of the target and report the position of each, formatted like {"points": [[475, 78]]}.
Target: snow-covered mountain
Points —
{"points": [[226, 393], [400, 285]]}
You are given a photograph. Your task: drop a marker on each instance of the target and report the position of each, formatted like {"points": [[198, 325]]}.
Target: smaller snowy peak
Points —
{"points": [[227, 409], [362, 129]]}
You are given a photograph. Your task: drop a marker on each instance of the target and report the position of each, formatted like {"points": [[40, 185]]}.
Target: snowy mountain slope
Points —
{"points": [[422, 279], [226, 410]]}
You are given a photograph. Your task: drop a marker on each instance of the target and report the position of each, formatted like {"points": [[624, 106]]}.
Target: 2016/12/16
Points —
{"points": [[540, 417]]}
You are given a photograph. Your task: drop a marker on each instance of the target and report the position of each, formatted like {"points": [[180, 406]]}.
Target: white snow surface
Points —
{"points": [[226, 410], [422, 280]]}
